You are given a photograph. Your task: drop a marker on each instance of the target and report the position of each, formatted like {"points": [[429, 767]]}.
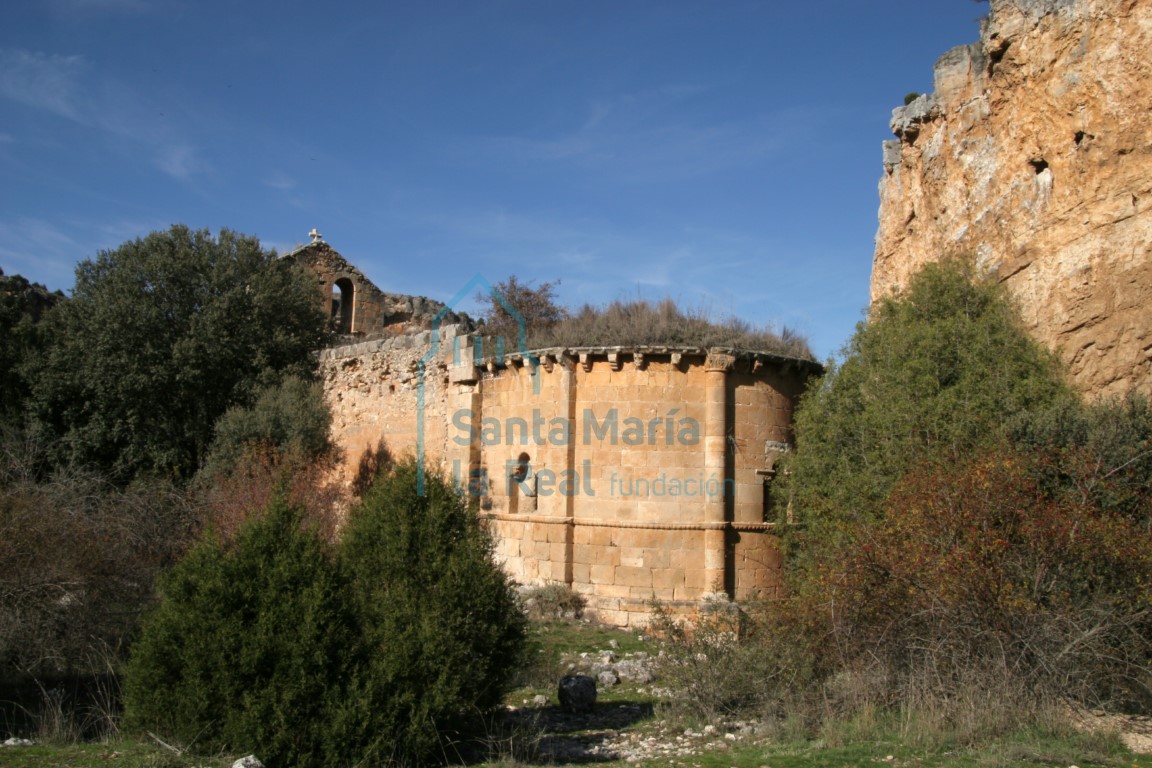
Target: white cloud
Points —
{"points": [[45, 81], [279, 180], [650, 136], [67, 87], [179, 161]]}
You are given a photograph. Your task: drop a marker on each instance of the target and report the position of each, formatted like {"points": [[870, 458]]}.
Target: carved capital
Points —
{"points": [[719, 361]]}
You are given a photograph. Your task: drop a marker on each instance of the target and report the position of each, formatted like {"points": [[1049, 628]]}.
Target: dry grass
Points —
{"points": [[643, 323]]}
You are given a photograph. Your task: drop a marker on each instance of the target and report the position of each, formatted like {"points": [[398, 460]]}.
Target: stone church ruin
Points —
{"points": [[631, 474]]}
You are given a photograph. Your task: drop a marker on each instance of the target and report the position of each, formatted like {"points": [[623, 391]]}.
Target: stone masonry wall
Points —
{"points": [[1034, 153], [627, 474]]}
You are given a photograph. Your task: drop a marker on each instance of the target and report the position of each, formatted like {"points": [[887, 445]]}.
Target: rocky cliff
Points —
{"points": [[1034, 153]]}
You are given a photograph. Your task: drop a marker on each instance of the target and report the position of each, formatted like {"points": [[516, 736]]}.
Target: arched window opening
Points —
{"points": [[343, 296], [521, 483]]}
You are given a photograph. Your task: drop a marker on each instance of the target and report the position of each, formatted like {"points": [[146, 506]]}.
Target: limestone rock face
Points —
{"points": [[1034, 153]]}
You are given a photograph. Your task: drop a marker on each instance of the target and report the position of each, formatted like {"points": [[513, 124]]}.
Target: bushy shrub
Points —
{"points": [[731, 660], [1101, 452], [974, 541], [288, 417], [247, 647], [550, 602], [371, 651], [229, 496], [441, 630]]}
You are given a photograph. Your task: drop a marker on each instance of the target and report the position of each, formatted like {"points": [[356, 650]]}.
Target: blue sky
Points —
{"points": [[723, 153]]}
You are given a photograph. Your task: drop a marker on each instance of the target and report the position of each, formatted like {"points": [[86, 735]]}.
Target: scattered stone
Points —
{"points": [[607, 678], [635, 671], [251, 761], [15, 742], [540, 700]]}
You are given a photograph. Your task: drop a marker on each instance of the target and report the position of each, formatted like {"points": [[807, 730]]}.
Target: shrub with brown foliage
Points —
{"points": [[262, 473], [984, 566], [732, 659], [513, 307], [988, 595], [78, 559]]}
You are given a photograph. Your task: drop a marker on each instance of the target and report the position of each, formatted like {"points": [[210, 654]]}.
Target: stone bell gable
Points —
{"points": [[358, 309]]}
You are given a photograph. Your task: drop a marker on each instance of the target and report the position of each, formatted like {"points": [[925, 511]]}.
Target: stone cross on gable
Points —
{"points": [[315, 235]]}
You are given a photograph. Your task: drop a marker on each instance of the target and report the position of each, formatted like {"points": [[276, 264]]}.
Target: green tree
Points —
{"points": [[161, 337], [933, 373], [22, 305], [969, 526]]}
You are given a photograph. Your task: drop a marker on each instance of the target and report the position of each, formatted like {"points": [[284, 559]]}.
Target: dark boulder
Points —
{"points": [[577, 693]]}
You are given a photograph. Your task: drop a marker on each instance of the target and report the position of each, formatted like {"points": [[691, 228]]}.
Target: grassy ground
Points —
{"points": [[627, 715], [131, 753]]}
